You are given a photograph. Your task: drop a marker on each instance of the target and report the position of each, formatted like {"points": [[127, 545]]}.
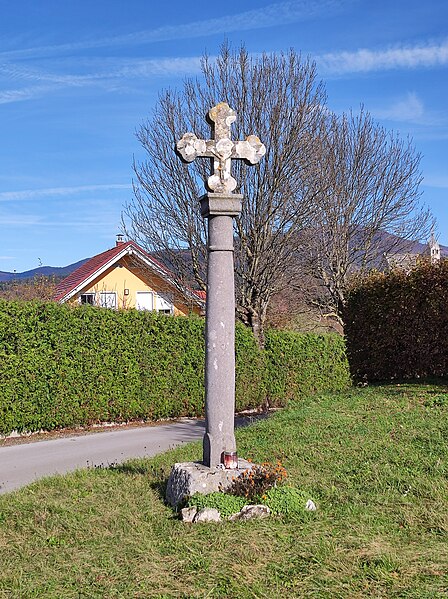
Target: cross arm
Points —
{"points": [[251, 150], [190, 147]]}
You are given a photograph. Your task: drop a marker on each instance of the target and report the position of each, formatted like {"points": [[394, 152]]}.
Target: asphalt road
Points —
{"points": [[23, 463]]}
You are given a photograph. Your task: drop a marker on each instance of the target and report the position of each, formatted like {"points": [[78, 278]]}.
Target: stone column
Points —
{"points": [[219, 206], [220, 209]]}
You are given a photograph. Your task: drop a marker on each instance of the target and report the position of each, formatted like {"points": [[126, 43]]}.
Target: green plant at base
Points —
{"points": [[286, 501], [283, 500], [253, 483], [226, 504]]}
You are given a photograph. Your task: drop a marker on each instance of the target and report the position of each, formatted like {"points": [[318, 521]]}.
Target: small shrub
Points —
{"points": [[284, 500], [226, 504], [252, 484]]}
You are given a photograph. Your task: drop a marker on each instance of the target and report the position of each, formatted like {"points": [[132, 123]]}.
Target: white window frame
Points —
{"points": [[112, 295], [145, 293]]}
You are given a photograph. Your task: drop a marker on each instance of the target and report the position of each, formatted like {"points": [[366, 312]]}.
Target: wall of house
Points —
{"points": [[126, 276]]}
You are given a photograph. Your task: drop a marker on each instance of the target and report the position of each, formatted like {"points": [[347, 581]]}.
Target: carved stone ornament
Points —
{"points": [[221, 149]]}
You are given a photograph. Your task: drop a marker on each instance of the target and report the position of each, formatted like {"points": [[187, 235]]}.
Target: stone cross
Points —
{"points": [[221, 149], [219, 206]]}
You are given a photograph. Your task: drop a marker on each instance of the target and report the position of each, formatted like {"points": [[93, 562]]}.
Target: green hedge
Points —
{"points": [[396, 324], [62, 366], [300, 364]]}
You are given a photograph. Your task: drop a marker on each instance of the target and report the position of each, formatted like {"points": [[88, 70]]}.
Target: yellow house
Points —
{"points": [[126, 276]]}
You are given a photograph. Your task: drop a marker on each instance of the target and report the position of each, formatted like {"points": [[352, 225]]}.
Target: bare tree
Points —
{"points": [[331, 196], [367, 183], [275, 97], [40, 287]]}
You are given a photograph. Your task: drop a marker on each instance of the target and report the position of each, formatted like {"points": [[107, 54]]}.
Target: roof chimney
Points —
{"points": [[119, 239]]}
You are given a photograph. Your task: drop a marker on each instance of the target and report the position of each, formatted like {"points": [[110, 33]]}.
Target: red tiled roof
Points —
{"points": [[87, 270], [201, 295]]}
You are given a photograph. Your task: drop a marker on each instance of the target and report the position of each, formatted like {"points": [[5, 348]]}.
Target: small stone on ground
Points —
{"points": [[207, 514], [188, 514], [251, 511]]}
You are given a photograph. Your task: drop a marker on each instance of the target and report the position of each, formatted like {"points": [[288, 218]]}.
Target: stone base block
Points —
{"points": [[188, 478]]}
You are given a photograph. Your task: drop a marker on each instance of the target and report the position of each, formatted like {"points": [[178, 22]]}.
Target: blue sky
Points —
{"points": [[78, 77]]}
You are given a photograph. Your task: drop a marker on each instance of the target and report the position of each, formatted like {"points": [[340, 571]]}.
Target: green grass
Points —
{"points": [[374, 460]]}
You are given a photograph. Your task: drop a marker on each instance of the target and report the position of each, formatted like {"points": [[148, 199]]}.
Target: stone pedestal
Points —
{"points": [[189, 478]]}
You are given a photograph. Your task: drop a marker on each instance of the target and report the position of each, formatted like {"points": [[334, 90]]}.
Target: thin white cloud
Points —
{"points": [[111, 80], [93, 223], [161, 66], [439, 182], [126, 68], [427, 124], [28, 93], [410, 108], [280, 13], [59, 82], [365, 60], [360, 61], [7, 257], [32, 194], [98, 220], [17, 72]]}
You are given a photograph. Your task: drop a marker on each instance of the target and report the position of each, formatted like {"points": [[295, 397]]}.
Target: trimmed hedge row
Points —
{"points": [[62, 366], [396, 324], [300, 364]]}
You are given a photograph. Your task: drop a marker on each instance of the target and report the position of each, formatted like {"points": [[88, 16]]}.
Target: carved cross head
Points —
{"points": [[221, 149]]}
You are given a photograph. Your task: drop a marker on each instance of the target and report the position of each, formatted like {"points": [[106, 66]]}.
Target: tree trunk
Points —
{"points": [[256, 320]]}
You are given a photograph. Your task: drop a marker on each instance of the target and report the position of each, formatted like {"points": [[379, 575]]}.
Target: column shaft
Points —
{"points": [[220, 342]]}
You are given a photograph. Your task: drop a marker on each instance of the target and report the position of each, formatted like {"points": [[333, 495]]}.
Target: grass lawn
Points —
{"points": [[374, 460]]}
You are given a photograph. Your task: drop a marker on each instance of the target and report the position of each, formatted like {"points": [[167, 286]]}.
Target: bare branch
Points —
{"points": [[367, 190], [330, 197], [275, 97]]}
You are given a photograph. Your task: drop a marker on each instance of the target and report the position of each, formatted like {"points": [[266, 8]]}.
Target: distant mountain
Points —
{"points": [[46, 271], [422, 248], [413, 247]]}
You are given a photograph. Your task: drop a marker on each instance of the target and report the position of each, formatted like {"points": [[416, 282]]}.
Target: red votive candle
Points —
{"points": [[230, 460]]}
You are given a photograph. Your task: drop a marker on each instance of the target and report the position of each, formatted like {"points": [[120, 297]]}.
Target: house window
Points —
{"points": [[108, 299], [87, 298], [164, 304], [144, 300]]}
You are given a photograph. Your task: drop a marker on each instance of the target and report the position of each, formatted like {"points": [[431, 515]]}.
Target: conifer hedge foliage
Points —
{"points": [[62, 366], [396, 324]]}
